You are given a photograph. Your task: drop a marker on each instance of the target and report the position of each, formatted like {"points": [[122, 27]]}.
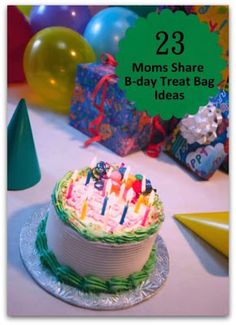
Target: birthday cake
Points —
{"points": [[100, 229]]}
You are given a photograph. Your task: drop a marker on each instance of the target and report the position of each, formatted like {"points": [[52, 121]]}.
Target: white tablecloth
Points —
{"points": [[198, 282]]}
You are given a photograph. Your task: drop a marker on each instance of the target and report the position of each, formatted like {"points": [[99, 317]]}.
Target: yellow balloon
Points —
{"points": [[50, 61], [25, 10]]}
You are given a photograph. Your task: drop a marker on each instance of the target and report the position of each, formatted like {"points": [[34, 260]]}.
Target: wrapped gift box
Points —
{"points": [[117, 124], [221, 101], [200, 142]]}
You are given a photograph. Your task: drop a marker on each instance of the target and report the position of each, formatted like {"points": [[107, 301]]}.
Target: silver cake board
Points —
{"points": [[48, 281]]}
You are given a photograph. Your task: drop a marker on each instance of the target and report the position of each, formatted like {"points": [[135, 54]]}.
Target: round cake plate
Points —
{"points": [[47, 280]]}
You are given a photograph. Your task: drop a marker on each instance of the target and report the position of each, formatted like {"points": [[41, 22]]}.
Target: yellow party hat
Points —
{"points": [[213, 227]]}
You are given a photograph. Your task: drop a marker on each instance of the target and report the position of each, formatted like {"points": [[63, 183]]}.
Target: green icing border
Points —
{"points": [[127, 237], [89, 283]]}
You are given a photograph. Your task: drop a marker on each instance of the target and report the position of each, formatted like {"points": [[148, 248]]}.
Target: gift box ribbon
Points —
{"points": [[94, 126], [153, 149]]}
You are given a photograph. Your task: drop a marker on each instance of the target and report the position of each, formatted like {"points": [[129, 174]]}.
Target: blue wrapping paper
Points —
{"points": [[203, 159], [123, 129]]}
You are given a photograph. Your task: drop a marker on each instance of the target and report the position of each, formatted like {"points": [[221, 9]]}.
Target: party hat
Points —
{"points": [[22, 163], [213, 227]]}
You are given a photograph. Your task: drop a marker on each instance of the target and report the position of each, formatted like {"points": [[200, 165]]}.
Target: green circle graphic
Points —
{"points": [[169, 64]]}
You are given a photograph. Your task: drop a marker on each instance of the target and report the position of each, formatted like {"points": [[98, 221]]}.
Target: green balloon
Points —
{"points": [[25, 10], [50, 61], [141, 11]]}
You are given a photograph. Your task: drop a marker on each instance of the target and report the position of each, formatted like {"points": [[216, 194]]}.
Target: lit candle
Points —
{"points": [[91, 166], [138, 203], [143, 188], [141, 198], [122, 189], [129, 197], [145, 216], [85, 204], [84, 209], [108, 190], [109, 172], [151, 198], [126, 174], [150, 202], [69, 191]]}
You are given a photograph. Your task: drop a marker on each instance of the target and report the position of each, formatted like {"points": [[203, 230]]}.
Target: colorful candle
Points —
{"points": [[84, 209], [104, 206], [109, 172], [145, 216], [89, 175], [138, 203], [151, 198], [108, 191], [122, 189], [143, 188], [150, 202], [69, 191], [91, 166], [126, 174], [129, 197]]}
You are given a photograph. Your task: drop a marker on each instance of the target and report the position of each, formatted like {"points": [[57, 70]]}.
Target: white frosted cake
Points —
{"points": [[100, 230]]}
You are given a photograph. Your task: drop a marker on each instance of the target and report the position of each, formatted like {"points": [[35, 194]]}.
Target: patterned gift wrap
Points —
{"points": [[217, 18], [122, 128], [205, 155], [221, 101]]}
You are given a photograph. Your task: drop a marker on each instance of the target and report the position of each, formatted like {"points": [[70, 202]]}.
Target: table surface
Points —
{"points": [[198, 282]]}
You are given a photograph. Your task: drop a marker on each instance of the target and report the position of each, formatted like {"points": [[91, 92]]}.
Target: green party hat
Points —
{"points": [[22, 162]]}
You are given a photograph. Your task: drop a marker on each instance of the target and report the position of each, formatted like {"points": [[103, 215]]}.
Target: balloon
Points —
{"points": [[141, 11], [95, 9], [74, 17], [107, 28], [25, 10], [50, 62], [18, 35]]}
